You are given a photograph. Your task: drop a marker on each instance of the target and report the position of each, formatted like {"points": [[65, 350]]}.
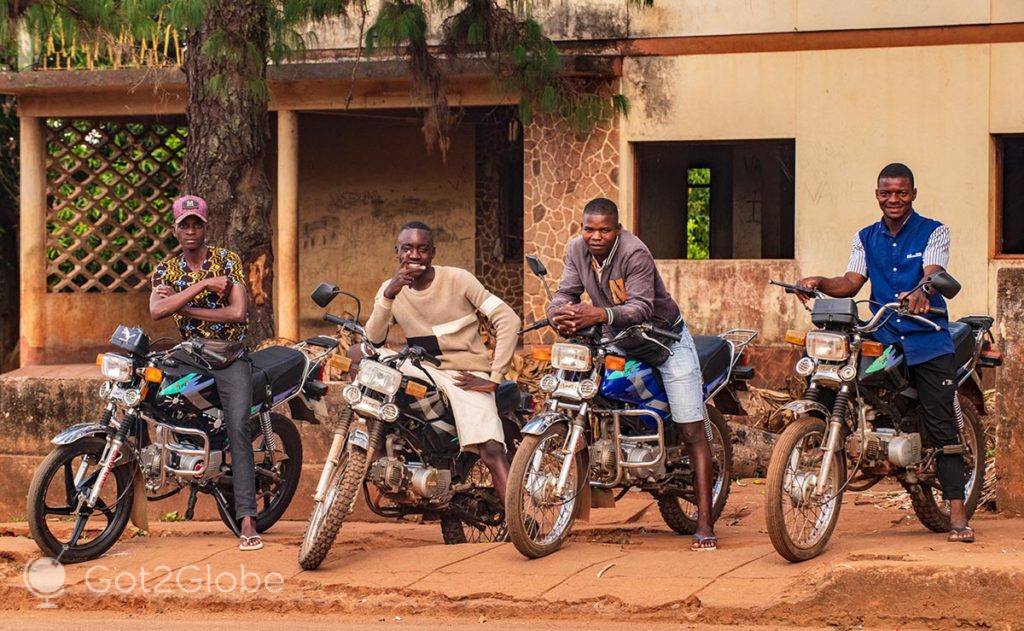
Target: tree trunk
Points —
{"points": [[228, 131]]}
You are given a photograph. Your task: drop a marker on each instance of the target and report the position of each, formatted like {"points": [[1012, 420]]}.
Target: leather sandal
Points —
{"points": [[702, 543], [248, 544], [961, 535]]}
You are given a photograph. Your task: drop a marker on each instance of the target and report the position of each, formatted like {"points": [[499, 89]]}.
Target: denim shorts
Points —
{"points": [[683, 383]]}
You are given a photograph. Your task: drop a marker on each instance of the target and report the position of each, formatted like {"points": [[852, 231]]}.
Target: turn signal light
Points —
{"points": [[795, 337], [614, 362], [870, 348], [541, 353], [99, 359], [152, 375], [415, 390], [341, 362]]}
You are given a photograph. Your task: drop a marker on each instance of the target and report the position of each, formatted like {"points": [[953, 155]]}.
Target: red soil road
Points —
{"points": [[882, 570]]}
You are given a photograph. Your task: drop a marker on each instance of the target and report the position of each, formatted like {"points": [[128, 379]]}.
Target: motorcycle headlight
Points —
{"points": [[115, 367], [379, 378], [352, 394], [574, 357], [833, 347]]}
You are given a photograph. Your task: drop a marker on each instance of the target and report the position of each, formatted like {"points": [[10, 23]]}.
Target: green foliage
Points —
{"points": [[698, 213]]}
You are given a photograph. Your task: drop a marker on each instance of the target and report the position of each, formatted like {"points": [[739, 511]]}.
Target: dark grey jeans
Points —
{"points": [[234, 385]]}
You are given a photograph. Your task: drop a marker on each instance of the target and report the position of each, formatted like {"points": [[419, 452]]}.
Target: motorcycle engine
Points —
{"points": [[640, 453], [885, 445], [603, 458], [392, 475]]}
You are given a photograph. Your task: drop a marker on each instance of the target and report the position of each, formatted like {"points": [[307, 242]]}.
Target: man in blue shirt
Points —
{"points": [[896, 253]]}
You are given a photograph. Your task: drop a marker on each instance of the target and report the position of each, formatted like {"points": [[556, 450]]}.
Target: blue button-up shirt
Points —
{"points": [[895, 264]]}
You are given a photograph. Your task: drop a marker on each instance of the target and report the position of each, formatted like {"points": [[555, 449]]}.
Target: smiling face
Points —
{"points": [[895, 197], [191, 233], [415, 247], [599, 233]]}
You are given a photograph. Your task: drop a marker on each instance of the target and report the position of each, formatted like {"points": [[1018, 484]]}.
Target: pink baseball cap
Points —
{"points": [[189, 206]]}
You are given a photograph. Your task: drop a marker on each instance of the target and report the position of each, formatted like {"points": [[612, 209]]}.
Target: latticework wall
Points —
{"points": [[110, 185]]}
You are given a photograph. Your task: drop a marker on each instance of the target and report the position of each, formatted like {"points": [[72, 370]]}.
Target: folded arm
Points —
{"points": [[163, 303], [235, 311]]}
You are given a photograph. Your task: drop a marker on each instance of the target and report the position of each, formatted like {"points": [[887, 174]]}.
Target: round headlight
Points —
{"points": [[805, 366], [105, 388], [131, 398], [848, 373], [352, 394], [389, 412], [588, 388], [548, 383]]}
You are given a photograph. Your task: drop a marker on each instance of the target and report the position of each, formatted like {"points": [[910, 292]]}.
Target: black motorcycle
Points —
{"points": [[162, 431], [859, 421], [396, 442]]}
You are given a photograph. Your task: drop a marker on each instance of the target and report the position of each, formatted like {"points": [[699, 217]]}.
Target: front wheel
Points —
{"points": [[799, 520], [329, 514], [277, 474], [539, 518], [680, 513], [55, 505], [927, 500]]}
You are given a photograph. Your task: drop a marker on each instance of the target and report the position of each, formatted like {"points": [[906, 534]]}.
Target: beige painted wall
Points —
{"points": [[359, 180], [850, 115]]}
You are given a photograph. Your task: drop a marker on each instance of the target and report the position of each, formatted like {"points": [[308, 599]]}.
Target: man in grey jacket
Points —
{"points": [[617, 272]]}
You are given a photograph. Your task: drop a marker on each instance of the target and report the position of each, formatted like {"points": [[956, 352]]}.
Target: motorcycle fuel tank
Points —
{"points": [[639, 384]]}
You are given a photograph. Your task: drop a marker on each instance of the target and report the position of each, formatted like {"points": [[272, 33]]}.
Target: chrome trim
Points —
{"points": [[542, 422], [77, 432], [801, 407]]}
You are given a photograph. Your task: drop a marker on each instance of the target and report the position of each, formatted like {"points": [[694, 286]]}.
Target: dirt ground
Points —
{"points": [[882, 570]]}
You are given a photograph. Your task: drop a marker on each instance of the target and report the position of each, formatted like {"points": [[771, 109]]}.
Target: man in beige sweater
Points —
{"points": [[437, 310]]}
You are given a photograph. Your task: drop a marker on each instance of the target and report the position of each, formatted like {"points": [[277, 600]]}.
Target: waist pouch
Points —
{"points": [[227, 352], [648, 352]]}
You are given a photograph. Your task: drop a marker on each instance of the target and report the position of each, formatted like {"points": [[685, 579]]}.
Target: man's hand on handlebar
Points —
{"points": [[812, 283], [572, 318], [472, 383], [916, 302]]}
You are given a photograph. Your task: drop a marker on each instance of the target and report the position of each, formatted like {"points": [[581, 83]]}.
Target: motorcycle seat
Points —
{"points": [[507, 397], [714, 355], [963, 342], [275, 370], [976, 322]]}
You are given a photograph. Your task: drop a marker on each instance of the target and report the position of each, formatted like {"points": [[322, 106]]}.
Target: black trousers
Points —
{"points": [[234, 386], [935, 381]]}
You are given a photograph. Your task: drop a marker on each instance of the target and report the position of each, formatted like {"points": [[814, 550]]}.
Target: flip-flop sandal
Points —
{"points": [[248, 544], [704, 544], [961, 535]]}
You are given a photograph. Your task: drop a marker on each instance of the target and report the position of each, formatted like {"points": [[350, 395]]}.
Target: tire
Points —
{"points": [[930, 510], [523, 528], [329, 515], [778, 493], [290, 471], [454, 530], [680, 514], [54, 464]]}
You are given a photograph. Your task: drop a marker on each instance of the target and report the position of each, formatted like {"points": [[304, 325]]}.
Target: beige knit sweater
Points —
{"points": [[442, 320]]}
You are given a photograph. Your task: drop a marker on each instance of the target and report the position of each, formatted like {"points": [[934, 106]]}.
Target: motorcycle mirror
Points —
{"points": [[944, 283], [324, 294], [536, 266]]}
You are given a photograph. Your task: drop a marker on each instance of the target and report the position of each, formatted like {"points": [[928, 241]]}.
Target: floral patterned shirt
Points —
{"points": [[176, 273]]}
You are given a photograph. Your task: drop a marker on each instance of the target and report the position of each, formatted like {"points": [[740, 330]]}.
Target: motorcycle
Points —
{"points": [[607, 425], [100, 474], [859, 422], [397, 436]]}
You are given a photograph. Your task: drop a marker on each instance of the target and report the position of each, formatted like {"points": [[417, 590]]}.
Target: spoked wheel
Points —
{"points": [[483, 503], [539, 518], [55, 506], [800, 522], [277, 474], [329, 515], [926, 498], [680, 513]]}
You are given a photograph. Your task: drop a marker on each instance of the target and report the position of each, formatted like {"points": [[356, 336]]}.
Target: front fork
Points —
{"points": [[833, 439], [334, 454], [570, 449]]}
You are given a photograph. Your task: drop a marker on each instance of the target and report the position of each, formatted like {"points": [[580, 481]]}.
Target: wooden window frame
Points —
{"points": [[996, 243]]}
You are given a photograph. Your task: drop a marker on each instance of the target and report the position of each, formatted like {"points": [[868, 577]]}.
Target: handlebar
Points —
{"points": [[798, 289], [675, 337], [875, 322], [539, 324]]}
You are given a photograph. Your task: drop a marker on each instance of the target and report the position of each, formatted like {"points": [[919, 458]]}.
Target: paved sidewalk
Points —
{"points": [[882, 568]]}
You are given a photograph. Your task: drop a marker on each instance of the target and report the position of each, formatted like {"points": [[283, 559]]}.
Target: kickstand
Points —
{"points": [[190, 508], [223, 503]]}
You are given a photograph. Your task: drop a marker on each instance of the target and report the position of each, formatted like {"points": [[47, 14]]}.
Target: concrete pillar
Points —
{"points": [[287, 255], [32, 240], [1010, 386]]}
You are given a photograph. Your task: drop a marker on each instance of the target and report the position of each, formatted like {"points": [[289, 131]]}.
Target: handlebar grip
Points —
{"points": [[939, 311], [675, 337], [217, 357], [427, 357], [536, 325], [333, 319]]}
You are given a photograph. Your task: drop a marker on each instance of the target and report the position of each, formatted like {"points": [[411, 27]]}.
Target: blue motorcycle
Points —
{"points": [[606, 427]]}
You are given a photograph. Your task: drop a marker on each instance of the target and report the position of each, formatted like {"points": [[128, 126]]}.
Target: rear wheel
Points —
{"points": [[482, 502], [277, 474], [540, 520], [931, 510], [800, 522], [680, 513]]}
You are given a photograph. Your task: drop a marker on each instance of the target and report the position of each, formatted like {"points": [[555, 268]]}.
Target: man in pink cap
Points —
{"points": [[203, 288]]}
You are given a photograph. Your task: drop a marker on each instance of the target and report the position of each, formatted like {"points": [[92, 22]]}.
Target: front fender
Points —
{"points": [[78, 432], [803, 407], [542, 422]]}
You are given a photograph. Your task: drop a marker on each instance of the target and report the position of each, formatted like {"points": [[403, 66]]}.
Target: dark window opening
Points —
{"points": [[716, 200], [1011, 194]]}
